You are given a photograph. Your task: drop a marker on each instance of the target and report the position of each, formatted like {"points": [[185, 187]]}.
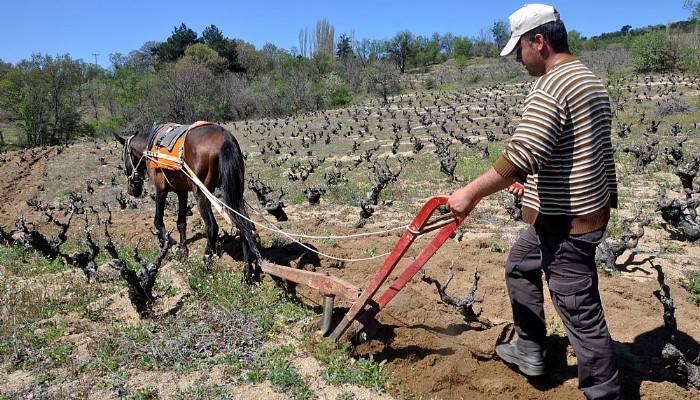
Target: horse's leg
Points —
{"points": [[209, 222], [161, 196], [181, 249], [250, 274]]}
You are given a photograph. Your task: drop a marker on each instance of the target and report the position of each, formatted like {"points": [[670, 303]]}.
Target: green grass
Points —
{"points": [[207, 392], [672, 248], [614, 229], [26, 263], [106, 355], [692, 284], [340, 368], [267, 303], [276, 367], [60, 355], [147, 393]]}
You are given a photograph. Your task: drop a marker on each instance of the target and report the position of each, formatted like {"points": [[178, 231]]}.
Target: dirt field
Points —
{"points": [[428, 349]]}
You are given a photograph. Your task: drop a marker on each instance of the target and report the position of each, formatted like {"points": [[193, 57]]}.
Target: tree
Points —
{"points": [[462, 46], [225, 47], [186, 91], [650, 52], [5, 67], [304, 43], [174, 47], [575, 42], [500, 33], [694, 7], [202, 54], [426, 51], [368, 51], [446, 43], [381, 78], [344, 50], [252, 60], [324, 37], [43, 95], [401, 49], [484, 45], [625, 29]]}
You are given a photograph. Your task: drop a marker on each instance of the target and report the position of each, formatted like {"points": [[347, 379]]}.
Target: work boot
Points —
{"points": [[530, 364]]}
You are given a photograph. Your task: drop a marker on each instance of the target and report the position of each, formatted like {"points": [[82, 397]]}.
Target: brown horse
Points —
{"points": [[215, 157]]}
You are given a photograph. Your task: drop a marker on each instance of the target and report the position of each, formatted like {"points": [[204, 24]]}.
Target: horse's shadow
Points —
{"points": [[291, 255]]}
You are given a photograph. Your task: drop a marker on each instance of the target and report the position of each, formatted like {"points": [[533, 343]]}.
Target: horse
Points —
{"points": [[215, 157]]}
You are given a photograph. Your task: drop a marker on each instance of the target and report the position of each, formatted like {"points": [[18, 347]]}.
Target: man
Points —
{"points": [[562, 150]]}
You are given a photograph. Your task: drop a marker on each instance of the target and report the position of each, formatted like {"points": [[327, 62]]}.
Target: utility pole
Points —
{"points": [[97, 91]]}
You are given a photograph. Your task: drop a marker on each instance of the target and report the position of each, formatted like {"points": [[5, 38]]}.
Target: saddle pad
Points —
{"points": [[169, 136], [170, 157]]}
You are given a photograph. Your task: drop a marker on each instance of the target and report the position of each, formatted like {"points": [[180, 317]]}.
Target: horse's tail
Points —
{"points": [[231, 171]]}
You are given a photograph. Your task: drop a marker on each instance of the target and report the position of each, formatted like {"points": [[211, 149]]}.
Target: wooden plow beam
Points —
{"points": [[364, 305]]}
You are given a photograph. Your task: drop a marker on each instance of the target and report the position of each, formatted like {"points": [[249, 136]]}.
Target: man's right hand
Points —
{"points": [[517, 189]]}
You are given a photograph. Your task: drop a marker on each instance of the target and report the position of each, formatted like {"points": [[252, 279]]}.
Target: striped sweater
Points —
{"points": [[563, 151]]}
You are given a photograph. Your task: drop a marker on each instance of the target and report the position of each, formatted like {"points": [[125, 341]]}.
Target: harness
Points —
{"points": [[166, 145], [127, 154]]}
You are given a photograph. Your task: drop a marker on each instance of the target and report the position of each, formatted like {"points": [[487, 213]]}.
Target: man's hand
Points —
{"points": [[462, 201], [517, 189]]}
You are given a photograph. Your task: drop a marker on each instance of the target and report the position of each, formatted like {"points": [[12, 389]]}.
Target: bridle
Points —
{"points": [[134, 177]]}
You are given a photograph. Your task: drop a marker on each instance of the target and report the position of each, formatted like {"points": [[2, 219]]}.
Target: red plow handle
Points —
{"points": [[420, 225]]}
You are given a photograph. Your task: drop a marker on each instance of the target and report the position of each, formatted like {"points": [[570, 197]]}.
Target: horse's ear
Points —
{"points": [[119, 139]]}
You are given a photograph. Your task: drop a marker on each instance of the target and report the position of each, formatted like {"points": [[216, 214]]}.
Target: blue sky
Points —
{"points": [[82, 27]]}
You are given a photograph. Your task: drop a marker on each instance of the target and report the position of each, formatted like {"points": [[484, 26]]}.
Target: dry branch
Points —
{"points": [[465, 304]]}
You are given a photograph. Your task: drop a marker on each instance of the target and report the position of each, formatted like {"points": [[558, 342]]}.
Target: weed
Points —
{"points": [[284, 378], [614, 229], [210, 392], [555, 328], [59, 355], [147, 393], [21, 262], [41, 379], [255, 375], [496, 248], [369, 250], [345, 396], [672, 248], [340, 368], [692, 284], [106, 354]]}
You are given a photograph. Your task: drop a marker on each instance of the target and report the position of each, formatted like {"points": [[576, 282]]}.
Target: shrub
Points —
{"points": [[650, 52], [690, 60], [340, 96], [429, 84], [671, 106]]}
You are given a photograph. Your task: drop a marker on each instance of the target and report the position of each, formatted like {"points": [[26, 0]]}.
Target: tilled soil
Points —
{"points": [[429, 350]]}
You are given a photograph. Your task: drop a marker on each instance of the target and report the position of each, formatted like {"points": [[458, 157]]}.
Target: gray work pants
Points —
{"points": [[568, 262]]}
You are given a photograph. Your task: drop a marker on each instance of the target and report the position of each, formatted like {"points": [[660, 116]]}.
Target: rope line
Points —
{"points": [[291, 236], [275, 229]]}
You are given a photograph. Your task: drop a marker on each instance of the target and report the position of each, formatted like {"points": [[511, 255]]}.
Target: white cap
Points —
{"points": [[527, 18]]}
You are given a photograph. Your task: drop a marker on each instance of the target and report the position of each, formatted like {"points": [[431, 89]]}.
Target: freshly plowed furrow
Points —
{"points": [[19, 181]]}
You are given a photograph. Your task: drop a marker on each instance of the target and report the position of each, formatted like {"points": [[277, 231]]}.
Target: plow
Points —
{"points": [[365, 304]]}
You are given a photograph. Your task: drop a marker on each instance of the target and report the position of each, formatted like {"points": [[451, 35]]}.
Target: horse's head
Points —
{"points": [[134, 163]]}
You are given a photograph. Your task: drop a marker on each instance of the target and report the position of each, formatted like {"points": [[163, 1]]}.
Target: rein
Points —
{"points": [[135, 177]]}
